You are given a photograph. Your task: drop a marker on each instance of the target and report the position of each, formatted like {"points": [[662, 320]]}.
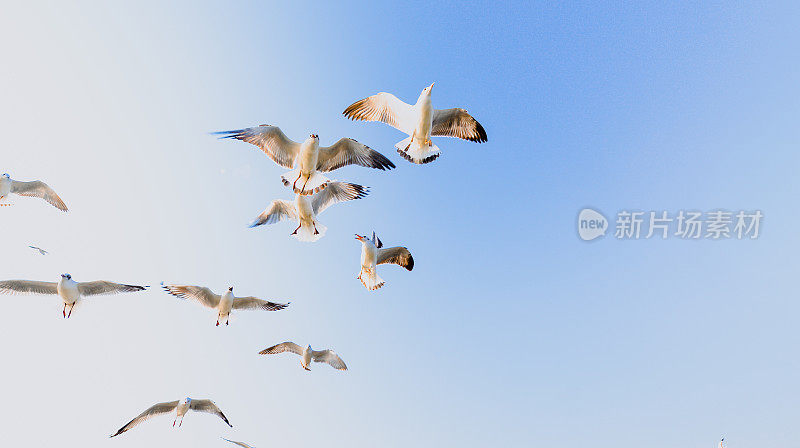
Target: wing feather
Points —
{"points": [[278, 210], [383, 107], [254, 303], [396, 255], [271, 140], [457, 123], [199, 294], [209, 407], [152, 411], [27, 287], [283, 347], [337, 192], [38, 189], [101, 287], [330, 357], [350, 152]]}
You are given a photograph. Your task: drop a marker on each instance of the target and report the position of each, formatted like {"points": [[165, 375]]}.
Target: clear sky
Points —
{"points": [[510, 331]]}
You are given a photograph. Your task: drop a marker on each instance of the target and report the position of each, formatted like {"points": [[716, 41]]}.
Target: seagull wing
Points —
{"points": [[329, 357], [383, 107], [27, 287], [101, 287], [457, 123], [242, 444], [271, 140], [337, 192], [350, 152], [396, 255], [199, 294], [278, 210], [152, 411], [283, 347], [210, 407], [38, 189], [253, 303]]}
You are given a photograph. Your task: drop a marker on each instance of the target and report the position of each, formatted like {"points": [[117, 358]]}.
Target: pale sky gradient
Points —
{"points": [[510, 331]]}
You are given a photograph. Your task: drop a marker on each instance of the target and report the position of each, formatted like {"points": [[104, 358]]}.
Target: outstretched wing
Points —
{"points": [[283, 347], [350, 152], [38, 189], [242, 444], [278, 210], [199, 294], [210, 407], [271, 140], [457, 123], [330, 357], [383, 107], [152, 411], [253, 303], [27, 287], [101, 287], [396, 255], [337, 192]]}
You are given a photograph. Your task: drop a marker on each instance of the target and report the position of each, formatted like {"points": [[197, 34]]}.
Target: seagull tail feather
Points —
{"points": [[304, 186], [306, 232], [370, 279], [416, 153]]}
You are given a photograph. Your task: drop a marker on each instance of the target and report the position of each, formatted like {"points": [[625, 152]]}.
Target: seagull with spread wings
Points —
{"points": [[39, 249], [307, 159], [242, 444], [224, 303], [68, 289], [373, 253], [420, 122], [179, 407], [307, 355], [36, 188], [306, 208]]}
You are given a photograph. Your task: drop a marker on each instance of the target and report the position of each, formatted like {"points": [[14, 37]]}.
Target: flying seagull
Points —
{"points": [[68, 289], [419, 121], [242, 444], [222, 303], [307, 355], [39, 249], [180, 407], [307, 160], [36, 188], [720, 443], [373, 254], [306, 208]]}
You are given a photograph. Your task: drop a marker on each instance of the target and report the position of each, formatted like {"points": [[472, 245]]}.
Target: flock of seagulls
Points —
{"points": [[309, 164]]}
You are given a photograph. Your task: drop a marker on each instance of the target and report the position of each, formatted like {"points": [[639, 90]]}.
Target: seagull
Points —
{"points": [[720, 443], [419, 121], [39, 249], [308, 159], [68, 289], [34, 188], [242, 444], [306, 208], [180, 407], [224, 303], [307, 355], [373, 253]]}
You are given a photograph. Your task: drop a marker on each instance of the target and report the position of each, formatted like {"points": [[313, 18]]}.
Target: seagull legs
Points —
{"points": [[64, 311], [217, 322], [174, 421], [316, 232], [70, 310], [298, 228], [294, 185]]}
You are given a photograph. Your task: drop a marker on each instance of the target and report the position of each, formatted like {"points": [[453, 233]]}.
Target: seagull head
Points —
{"points": [[6, 176], [230, 289], [66, 276], [360, 237], [427, 90], [314, 137]]}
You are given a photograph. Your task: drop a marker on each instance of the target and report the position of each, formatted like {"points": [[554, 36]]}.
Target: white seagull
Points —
{"points": [[180, 407], [68, 289], [39, 249], [307, 355], [308, 159], [222, 303], [36, 188], [419, 121], [373, 254], [306, 208], [242, 444]]}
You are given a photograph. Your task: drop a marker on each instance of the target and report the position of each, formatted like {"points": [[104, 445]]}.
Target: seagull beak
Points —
{"points": [[431, 86]]}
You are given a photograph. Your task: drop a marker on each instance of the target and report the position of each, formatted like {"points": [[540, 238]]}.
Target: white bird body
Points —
{"points": [[306, 357], [225, 306], [420, 121], [306, 208], [373, 253], [182, 408], [37, 189], [70, 291]]}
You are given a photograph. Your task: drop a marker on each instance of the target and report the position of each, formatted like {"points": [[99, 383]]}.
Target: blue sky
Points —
{"points": [[510, 330]]}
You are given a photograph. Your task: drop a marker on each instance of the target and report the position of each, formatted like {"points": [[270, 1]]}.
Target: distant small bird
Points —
{"points": [[69, 290], [180, 407], [373, 254], [307, 355], [222, 303], [419, 121], [242, 444], [39, 249], [306, 208], [720, 442], [36, 188], [308, 159]]}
